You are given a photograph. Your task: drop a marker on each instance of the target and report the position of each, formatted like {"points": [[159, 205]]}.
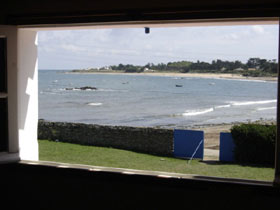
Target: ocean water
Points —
{"points": [[138, 100]]}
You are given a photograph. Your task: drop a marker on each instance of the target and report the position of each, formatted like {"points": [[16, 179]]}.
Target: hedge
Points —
{"points": [[254, 143]]}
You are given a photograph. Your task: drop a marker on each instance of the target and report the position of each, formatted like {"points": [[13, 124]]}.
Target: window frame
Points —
{"points": [[276, 181]]}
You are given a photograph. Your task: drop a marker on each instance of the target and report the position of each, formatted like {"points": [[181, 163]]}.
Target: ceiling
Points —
{"points": [[92, 12]]}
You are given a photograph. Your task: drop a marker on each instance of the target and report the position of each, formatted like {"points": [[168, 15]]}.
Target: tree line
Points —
{"points": [[253, 67]]}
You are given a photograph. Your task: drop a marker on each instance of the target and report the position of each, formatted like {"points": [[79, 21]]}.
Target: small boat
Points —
{"points": [[179, 85]]}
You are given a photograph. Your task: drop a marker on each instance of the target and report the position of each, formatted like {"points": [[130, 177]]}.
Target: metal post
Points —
{"points": [[277, 143]]}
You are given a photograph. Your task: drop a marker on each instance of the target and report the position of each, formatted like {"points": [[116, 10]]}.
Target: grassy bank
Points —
{"points": [[99, 156]]}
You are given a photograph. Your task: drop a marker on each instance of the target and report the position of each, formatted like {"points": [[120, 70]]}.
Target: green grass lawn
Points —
{"points": [[100, 156]]}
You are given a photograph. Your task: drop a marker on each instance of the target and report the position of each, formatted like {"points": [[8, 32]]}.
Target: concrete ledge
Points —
{"points": [[6, 157]]}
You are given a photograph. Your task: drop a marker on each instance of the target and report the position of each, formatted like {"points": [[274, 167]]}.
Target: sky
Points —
{"points": [[95, 48]]}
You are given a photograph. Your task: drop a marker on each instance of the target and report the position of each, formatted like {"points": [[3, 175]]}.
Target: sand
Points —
{"points": [[196, 75], [212, 135], [212, 140]]}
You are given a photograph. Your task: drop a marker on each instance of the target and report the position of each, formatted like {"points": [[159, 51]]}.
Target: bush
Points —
{"points": [[254, 143]]}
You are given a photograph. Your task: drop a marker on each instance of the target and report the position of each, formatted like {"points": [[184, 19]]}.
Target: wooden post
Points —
{"points": [[277, 143]]}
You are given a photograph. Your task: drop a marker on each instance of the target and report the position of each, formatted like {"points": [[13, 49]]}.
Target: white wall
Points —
{"points": [[27, 94]]}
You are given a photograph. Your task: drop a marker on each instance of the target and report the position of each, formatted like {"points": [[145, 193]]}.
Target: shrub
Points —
{"points": [[254, 143]]}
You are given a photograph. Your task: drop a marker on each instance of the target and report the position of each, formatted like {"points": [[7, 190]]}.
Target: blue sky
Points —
{"points": [[103, 47]]}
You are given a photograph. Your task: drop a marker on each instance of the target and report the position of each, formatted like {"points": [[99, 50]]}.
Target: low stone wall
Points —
{"points": [[145, 140]]}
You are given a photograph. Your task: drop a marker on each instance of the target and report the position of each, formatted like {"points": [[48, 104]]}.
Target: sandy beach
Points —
{"points": [[182, 75], [212, 140], [212, 135]]}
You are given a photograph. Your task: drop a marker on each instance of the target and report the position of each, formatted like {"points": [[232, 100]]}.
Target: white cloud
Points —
{"points": [[73, 48], [47, 49], [102, 47], [231, 36], [258, 29]]}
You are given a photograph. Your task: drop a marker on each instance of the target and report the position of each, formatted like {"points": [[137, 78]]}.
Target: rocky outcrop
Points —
{"points": [[82, 88]]}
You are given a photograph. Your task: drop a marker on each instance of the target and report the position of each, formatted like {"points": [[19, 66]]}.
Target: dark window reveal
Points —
{"points": [[3, 125], [3, 98], [3, 65]]}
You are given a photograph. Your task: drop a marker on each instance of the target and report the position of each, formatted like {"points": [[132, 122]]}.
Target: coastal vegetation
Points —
{"points": [[254, 67], [255, 143]]}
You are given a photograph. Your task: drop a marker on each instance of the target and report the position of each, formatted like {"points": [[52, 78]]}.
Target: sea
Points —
{"points": [[153, 101]]}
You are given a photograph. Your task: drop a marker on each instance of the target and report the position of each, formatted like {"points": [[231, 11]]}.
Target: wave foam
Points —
{"points": [[223, 106], [266, 108], [111, 90], [245, 103], [94, 104], [197, 112], [245, 80]]}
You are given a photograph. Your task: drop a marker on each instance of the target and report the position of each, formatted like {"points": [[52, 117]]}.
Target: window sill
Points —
{"points": [[158, 174], [6, 157], [3, 95]]}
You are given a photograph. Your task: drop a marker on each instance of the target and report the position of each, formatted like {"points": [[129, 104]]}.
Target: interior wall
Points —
{"points": [[10, 32]]}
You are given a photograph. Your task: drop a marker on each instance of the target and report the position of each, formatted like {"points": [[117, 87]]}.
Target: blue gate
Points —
{"points": [[226, 147], [188, 144]]}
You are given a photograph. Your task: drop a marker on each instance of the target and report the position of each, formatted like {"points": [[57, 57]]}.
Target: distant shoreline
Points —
{"points": [[195, 75]]}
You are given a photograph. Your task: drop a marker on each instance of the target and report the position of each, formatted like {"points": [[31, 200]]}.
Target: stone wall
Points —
{"points": [[145, 140]]}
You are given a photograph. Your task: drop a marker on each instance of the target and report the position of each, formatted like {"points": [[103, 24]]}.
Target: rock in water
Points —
{"points": [[82, 88], [87, 88]]}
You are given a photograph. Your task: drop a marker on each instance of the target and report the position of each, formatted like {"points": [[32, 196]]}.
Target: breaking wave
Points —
{"points": [[231, 104], [94, 104], [266, 108], [222, 106], [246, 103], [197, 112]]}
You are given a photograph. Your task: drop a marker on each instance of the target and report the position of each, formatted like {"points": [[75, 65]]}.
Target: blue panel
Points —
{"points": [[188, 143], [226, 147]]}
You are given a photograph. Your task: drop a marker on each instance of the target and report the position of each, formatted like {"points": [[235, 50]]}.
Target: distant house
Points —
{"points": [[148, 70], [105, 68], [252, 69]]}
